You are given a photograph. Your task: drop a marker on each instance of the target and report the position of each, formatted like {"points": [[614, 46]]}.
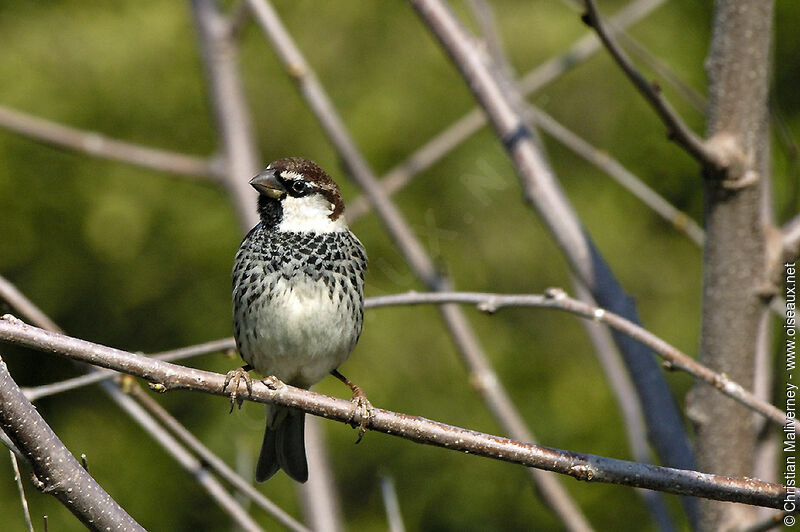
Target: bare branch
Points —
{"points": [[167, 376], [320, 501], [24, 306], [392, 505], [45, 390], [58, 473], [676, 127], [184, 458], [498, 98], [208, 459], [21, 489], [463, 128], [230, 110], [678, 219], [556, 298], [97, 145]]}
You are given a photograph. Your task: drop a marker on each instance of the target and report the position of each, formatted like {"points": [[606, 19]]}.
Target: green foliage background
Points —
{"points": [[139, 260]]}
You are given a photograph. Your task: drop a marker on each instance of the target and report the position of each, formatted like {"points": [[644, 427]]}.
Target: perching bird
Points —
{"points": [[298, 297]]}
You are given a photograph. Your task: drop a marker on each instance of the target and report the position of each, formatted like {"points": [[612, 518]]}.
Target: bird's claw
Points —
{"points": [[235, 376], [272, 382], [362, 412]]}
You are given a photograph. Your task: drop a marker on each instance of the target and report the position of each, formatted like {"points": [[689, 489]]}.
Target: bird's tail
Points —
{"points": [[284, 445]]}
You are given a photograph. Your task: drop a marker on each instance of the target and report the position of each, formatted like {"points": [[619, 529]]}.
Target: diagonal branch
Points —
{"points": [[665, 424], [185, 459], [207, 459], [581, 466], [676, 127], [57, 472], [98, 145], [614, 169], [466, 126]]}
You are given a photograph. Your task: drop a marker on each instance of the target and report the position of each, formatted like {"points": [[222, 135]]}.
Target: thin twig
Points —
{"points": [[320, 501], [557, 299], [676, 127], [45, 390], [463, 128], [184, 458], [97, 145], [392, 505], [632, 183], [488, 384], [24, 306], [208, 458], [23, 499], [689, 94], [498, 98], [167, 376]]}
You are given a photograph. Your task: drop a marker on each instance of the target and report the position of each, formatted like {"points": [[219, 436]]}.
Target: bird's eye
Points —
{"points": [[298, 187]]}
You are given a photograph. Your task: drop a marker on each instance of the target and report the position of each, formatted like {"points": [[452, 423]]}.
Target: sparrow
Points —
{"points": [[298, 298]]}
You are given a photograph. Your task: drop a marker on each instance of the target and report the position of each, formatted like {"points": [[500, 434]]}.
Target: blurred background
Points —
{"points": [[141, 260]]}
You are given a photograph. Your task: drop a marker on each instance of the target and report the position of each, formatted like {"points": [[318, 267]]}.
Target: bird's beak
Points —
{"points": [[266, 183]]}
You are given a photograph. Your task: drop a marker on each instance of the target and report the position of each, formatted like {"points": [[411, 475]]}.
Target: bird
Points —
{"points": [[298, 300]]}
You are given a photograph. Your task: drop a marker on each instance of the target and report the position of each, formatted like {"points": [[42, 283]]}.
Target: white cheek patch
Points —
{"points": [[309, 213]]}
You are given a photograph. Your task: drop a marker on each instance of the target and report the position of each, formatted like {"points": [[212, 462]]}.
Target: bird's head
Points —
{"points": [[294, 194]]}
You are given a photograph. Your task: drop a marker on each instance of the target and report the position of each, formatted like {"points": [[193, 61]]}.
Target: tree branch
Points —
{"points": [[463, 128], [23, 499], [665, 424], [58, 473], [98, 145], [677, 218], [230, 110], [185, 459], [24, 306], [557, 299], [45, 390], [167, 376], [207, 458], [676, 127]]}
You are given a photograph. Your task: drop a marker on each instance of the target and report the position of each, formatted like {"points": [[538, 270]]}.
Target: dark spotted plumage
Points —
{"points": [[337, 260], [298, 292]]}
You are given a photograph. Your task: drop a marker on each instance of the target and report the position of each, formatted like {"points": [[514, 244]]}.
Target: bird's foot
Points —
{"points": [[362, 412], [236, 376], [272, 382]]}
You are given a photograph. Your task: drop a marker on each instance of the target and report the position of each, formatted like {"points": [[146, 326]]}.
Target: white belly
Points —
{"points": [[296, 332]]}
